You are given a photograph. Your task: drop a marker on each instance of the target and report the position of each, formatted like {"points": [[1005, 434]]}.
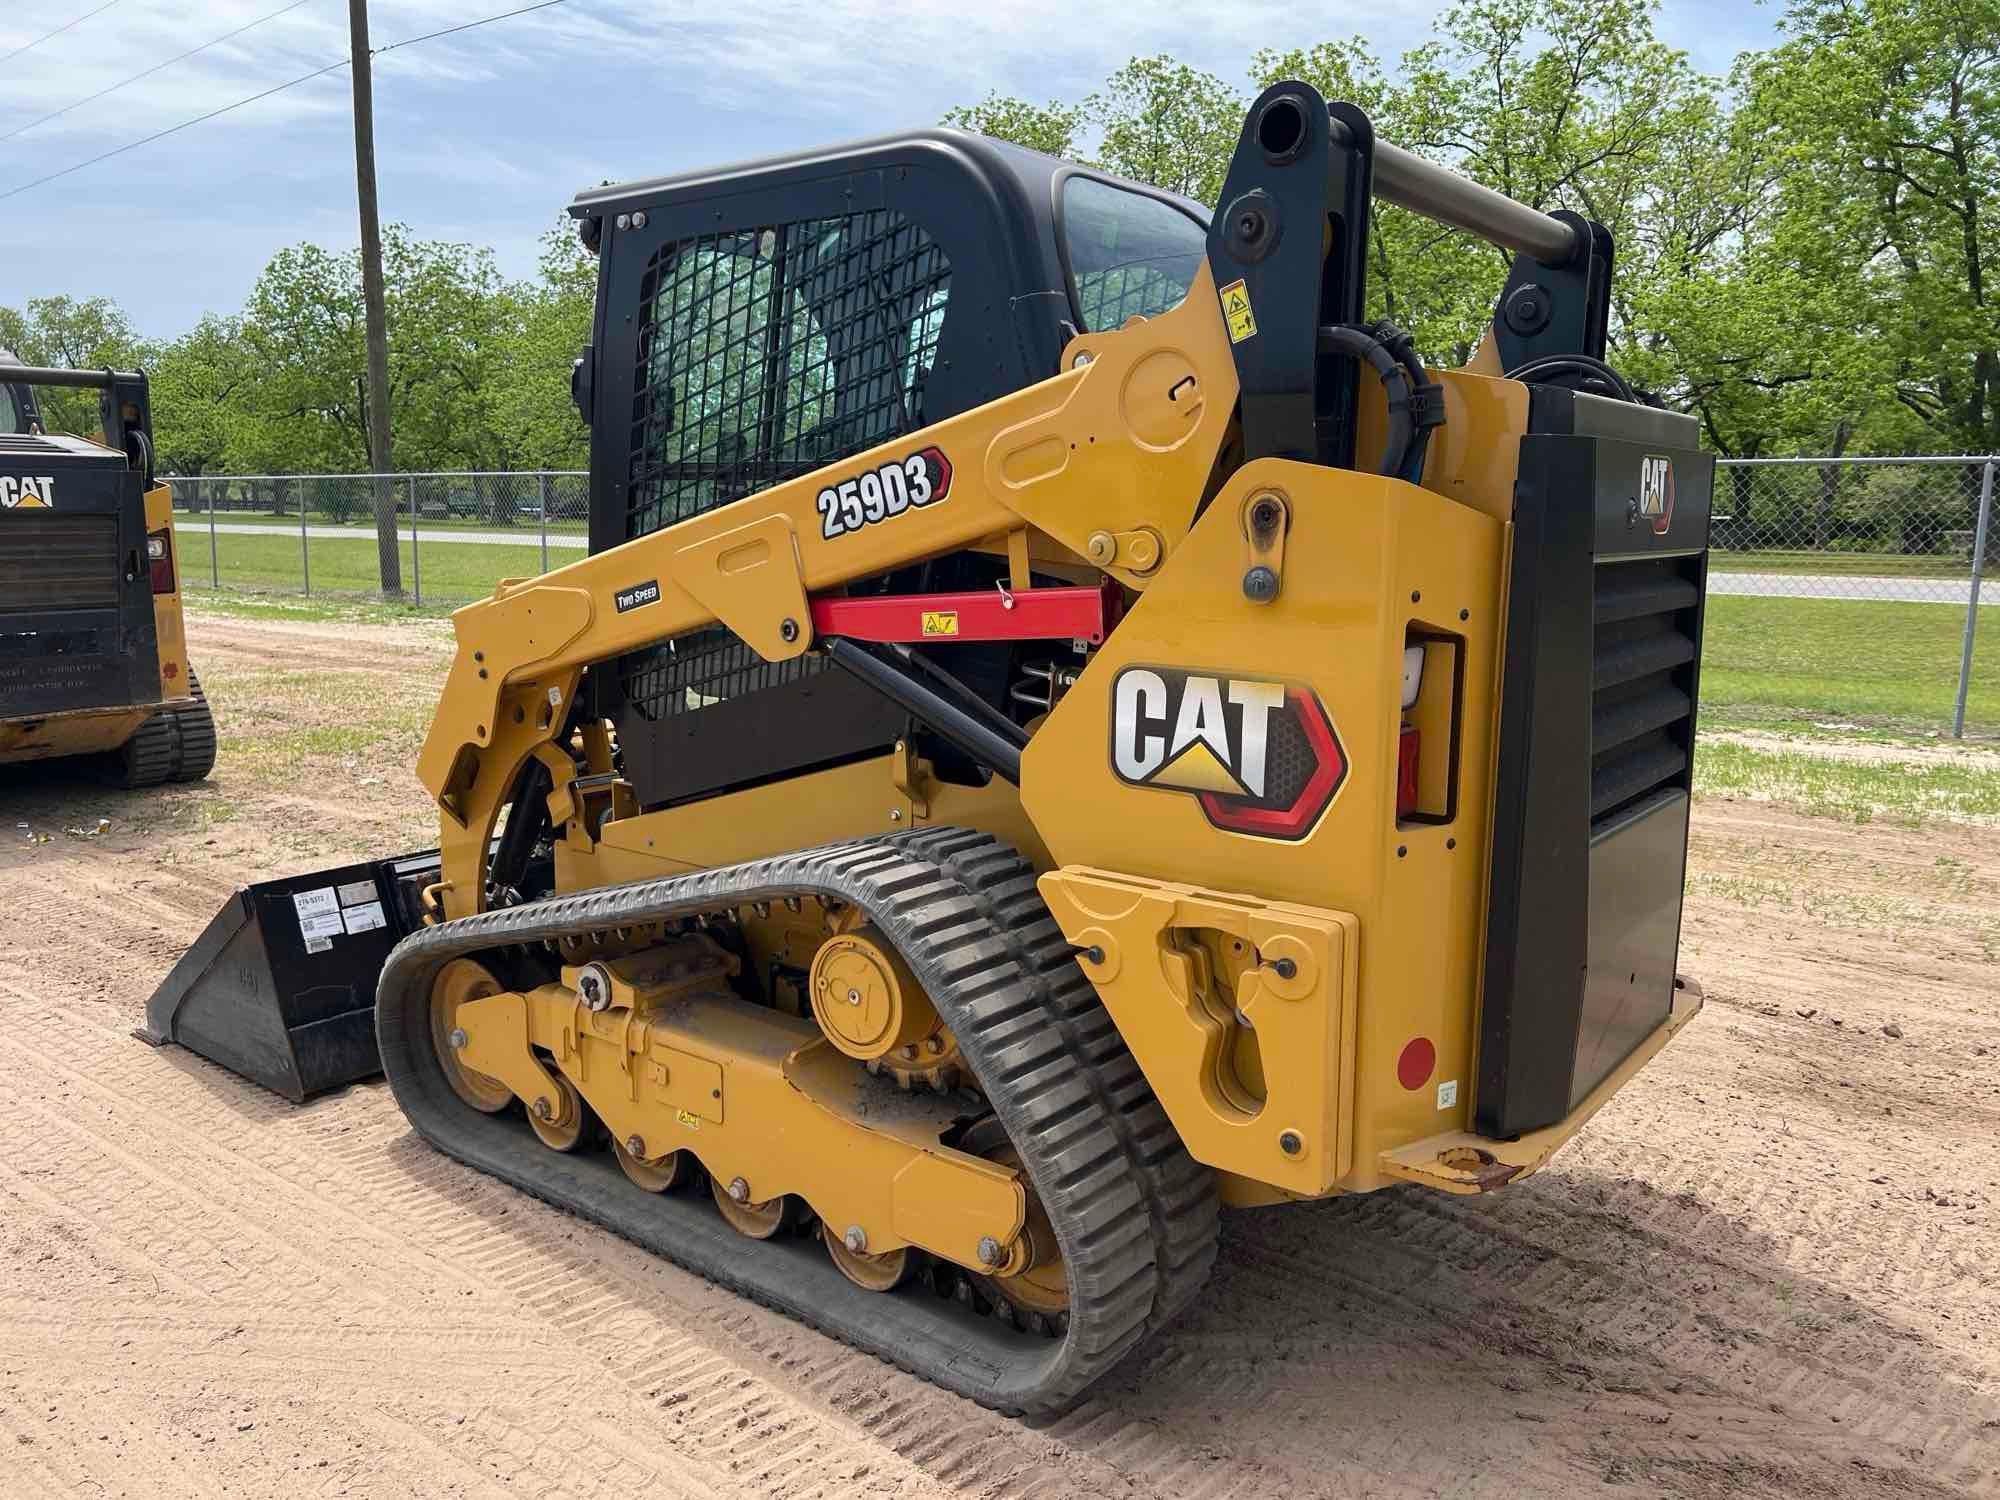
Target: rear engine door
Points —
{"points": [[76, 600]]}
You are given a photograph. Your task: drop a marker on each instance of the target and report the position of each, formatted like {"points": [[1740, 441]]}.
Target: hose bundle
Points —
{"points": [[1416, 402]]}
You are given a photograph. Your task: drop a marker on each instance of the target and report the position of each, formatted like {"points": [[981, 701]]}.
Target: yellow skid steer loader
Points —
{"points": [[93, 657], [1065, 725]]}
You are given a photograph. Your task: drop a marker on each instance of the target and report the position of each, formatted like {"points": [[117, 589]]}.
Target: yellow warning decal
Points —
{"points": [[940, 622], [688, 1118], [1236, 311]]}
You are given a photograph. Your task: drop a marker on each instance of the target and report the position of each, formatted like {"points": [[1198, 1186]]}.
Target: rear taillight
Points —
{"points": [[160, 557]]}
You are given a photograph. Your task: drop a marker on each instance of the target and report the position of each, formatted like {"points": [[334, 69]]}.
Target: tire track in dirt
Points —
{"points": [[733, 1422], [1711, 1248], [566, 1286]]}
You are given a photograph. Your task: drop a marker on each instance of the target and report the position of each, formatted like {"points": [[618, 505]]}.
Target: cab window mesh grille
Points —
{"points": [[767, 354], [705, 667], [763, 355], [1129, 255]]}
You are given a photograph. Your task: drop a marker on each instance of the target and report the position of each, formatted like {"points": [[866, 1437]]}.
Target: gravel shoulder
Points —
{"points": [[1771, 1267]]}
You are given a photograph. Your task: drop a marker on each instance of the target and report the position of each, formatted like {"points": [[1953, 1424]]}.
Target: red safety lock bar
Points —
{"points": [[999, 614]]}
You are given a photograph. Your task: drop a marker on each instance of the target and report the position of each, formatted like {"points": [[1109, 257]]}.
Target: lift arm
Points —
{"points": [[1121, 444]]}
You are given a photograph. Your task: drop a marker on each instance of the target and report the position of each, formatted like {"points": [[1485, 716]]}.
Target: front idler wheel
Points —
{"points": [[460, 981]]}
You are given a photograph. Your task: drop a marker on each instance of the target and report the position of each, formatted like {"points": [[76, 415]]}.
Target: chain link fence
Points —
{"points": [[1878, 565], [316, 534], [1826, 575]]}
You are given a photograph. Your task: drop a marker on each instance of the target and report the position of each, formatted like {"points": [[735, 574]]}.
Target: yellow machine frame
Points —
{"points": [[1114, 464]]}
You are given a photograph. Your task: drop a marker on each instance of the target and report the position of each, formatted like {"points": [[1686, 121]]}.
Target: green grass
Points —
{"points": [[1847, 564], [1915, 920], [239, 605], [1802, 663], [457, 572], [286, 726], [1911, 792]]}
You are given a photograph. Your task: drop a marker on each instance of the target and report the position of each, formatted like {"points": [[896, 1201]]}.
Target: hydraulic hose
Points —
{"points": [[1557, 364], [1426, 395], [527, 826], [1345, 338]]}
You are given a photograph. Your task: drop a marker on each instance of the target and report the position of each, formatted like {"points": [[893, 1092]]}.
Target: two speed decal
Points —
{"points": [[881, 494]]}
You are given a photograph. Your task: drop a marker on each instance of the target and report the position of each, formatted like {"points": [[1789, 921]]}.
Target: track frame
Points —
{"points": [[1134, 1216]]}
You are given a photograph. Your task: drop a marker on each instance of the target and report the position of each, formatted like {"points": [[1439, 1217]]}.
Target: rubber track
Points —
{"points": [[173, 745], [196, 727], [1135, 1216]]}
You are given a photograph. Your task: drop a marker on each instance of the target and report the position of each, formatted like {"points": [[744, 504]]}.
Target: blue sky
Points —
{"points": [[484, 136]]}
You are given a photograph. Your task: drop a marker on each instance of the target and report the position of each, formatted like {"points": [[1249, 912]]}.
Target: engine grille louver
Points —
{"points": [[52, 561], [1642, 680]]}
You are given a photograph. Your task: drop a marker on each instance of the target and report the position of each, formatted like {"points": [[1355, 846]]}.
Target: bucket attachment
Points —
{"points": [[280, 987]]}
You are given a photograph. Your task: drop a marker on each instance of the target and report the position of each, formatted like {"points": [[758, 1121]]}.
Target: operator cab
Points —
{"points": [[758, 322], [19, 416]]}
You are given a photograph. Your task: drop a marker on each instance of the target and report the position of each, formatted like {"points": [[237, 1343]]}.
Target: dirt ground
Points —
{"points": [[1770, 1267]]}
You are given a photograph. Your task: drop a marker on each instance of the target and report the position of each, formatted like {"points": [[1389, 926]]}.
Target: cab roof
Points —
{"points": [[1011, 168]]}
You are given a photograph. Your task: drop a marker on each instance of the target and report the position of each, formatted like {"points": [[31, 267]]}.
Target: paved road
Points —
{"points": [[1764, 585], [522, 536], [1850, 586]]}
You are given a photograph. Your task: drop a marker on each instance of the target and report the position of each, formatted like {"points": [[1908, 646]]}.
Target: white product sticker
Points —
{"points": [[317, 945], [1448, 1094], [324, 924], [365, 917], [357, 891], [315, 903]]}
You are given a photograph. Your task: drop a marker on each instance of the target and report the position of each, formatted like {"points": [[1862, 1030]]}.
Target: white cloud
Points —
{"points": [[484, 135]]}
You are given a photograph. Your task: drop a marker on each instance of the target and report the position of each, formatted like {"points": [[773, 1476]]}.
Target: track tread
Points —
{"points": [[175, 744], [1137, 1218]]}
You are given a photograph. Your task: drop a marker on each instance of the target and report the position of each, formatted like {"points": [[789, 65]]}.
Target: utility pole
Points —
{"points": [[372, 296]]}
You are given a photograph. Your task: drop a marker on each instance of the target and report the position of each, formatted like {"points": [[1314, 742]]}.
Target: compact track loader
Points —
{"points": [[1065, 725], [93, 657]]}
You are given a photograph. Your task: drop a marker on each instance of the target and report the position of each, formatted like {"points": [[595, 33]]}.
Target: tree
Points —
{"points": [[304, 332], [1888, 116], [200, 388], [1560, 104], [1048, 128], [1168, 124], [549, 326], [63, 333]]}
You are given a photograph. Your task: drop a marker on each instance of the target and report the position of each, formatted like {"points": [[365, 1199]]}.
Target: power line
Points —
{"points": [[508, 15], [160, 135], [59, 30], [148, 73]]}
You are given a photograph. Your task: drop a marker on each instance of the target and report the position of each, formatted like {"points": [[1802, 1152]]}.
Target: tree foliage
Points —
{"points": [[478, 366], [1885, 115], [1166, 123], [1049, 128], [1806, 248], [60, 331]]}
